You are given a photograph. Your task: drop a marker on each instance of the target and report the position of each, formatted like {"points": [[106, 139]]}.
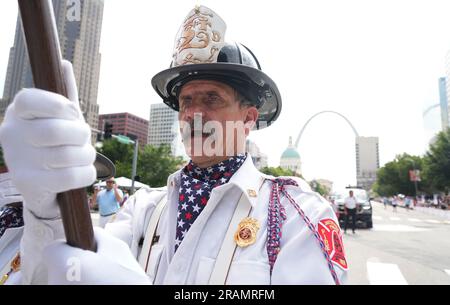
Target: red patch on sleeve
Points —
{"points": [[330, 233]]}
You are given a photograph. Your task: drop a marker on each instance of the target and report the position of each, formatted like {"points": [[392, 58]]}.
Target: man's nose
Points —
{"points": [[192, 111]]}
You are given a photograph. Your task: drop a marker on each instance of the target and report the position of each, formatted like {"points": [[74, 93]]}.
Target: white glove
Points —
{"points": [[112, 264], [46, 145], [8, 191]]}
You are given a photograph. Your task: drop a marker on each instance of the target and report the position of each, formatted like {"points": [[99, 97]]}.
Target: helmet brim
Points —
{"points": [[167, 84], [105, 168]]}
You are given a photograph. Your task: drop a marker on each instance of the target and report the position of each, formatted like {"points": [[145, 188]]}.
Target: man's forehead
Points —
{"points": [[203, 86]]}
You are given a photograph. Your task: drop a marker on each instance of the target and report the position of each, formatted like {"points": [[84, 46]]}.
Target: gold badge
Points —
{"points": [[251, 193], [246, 233], [15, 264]]}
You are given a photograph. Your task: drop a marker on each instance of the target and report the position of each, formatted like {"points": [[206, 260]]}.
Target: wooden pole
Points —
{"points": [[44, 52]]}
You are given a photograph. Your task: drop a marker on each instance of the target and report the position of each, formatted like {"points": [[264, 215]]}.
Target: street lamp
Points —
{"points": [[126, 140]]}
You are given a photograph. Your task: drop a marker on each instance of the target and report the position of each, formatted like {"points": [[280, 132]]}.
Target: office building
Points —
{"points": [[163, 128], [126, 124], [79, 25], [367, 161]]}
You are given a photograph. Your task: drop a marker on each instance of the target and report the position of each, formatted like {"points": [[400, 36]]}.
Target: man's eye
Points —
{"points": [[185, 102], [212, 98]]}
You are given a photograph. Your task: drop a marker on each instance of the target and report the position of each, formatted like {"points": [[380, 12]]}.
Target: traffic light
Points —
{"points": [[108, 130], [132, 136]]}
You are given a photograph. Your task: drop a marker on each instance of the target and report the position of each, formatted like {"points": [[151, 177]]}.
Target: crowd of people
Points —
{"points": [[400, 200], [409, 202]]}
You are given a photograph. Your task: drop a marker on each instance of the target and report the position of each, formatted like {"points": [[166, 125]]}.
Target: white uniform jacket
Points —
{"points": [[300, 260]]}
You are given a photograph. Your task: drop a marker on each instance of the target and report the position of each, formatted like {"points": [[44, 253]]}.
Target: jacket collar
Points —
{"points": [[249, 180], [9, 236]]}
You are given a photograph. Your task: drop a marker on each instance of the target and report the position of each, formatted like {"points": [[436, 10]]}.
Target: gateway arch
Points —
{"points": [[319, 113], [367, 159]]}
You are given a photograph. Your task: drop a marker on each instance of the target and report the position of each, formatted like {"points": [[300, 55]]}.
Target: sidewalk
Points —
{"points": [[434, 211]]}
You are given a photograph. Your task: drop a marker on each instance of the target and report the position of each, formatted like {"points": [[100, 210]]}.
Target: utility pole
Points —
{"points": [[133, 171], [127, 140]]}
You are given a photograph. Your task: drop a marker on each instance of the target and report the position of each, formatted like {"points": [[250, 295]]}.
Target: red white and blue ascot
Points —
{"points": [[200, 52]]}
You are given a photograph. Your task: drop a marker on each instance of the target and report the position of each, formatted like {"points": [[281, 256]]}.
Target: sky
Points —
{"points": [[375, 62]]}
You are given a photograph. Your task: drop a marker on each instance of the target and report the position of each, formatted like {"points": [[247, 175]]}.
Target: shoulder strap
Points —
{"points": [[226, 253], [150, 233]]}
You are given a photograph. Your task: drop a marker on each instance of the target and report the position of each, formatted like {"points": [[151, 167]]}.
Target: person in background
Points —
{"points": [[385, 202], [335, 207], [407, 203], [109, 201], [394, 203], [350, 210]]}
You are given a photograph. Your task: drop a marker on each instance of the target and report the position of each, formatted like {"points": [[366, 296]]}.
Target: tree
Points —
{"points": [[278, 171], [120, 154], [116, 151], [2, 161], [318, 187], [156, 163], [393, 178], [437, 163]]}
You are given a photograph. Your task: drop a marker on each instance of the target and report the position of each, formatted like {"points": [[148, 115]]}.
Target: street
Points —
{"points": [[404, 247]]}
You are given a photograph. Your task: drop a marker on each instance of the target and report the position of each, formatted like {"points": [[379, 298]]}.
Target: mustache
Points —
{"points": [[196, 127]]}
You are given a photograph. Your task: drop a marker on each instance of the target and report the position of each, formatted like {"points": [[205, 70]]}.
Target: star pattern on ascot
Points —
{"points": [[195, 190]]}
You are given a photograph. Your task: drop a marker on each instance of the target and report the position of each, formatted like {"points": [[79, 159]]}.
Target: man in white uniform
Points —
{"points": [[350, 211], [220, 221]]}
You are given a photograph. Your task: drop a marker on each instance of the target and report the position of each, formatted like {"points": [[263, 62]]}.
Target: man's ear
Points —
{"points": [[251, 117]]}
